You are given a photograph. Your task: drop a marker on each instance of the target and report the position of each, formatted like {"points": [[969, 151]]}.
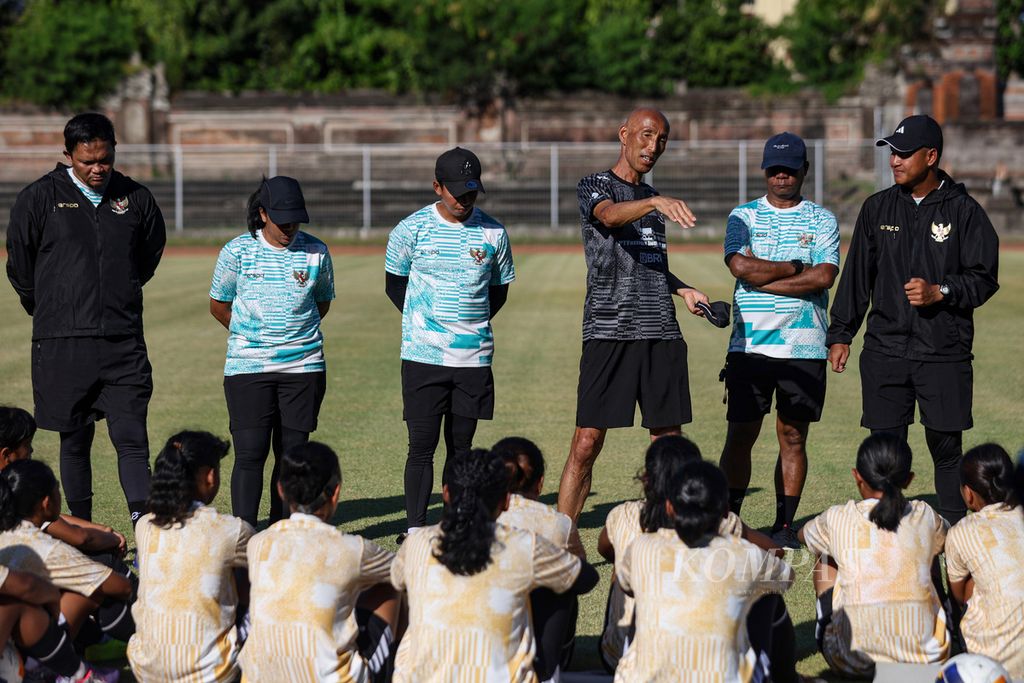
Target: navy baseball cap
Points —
{"points": [[281, 197], [786, 150], [913, 133], [459, 170]]}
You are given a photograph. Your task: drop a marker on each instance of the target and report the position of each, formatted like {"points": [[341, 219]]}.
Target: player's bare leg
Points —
{"points": [[735, 461], [824, 575], [791, 467], [657, 432], [574, 487]]}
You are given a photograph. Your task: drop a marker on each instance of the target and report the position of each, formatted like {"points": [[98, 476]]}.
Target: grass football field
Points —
{"points": [[536, 364]]}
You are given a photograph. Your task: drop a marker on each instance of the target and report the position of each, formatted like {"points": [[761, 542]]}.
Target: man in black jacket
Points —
{"points": [[81, 243], [924, 255]]}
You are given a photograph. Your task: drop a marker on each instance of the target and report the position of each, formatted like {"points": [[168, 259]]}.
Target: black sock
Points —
{"points": [[137, 509], [115, 618], [785, 510], [55, 651], [81, 509], [736, 497]]}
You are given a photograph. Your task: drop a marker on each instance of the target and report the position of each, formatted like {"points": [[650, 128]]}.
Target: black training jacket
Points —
{"points": [[79, 270], [947, 239]]}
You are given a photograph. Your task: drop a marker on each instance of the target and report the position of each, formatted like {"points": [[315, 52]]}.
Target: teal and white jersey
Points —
{"points": [[772, 324], [275, 323], [450, 266]]}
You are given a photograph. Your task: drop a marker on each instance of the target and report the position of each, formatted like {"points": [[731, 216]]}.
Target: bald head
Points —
{"points": [[642, 115]]}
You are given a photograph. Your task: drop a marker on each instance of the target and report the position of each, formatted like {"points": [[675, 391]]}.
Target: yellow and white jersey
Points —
{"points": [[623, 526], [692, 605], [532, 515], [186, 610], [28, 548], [306, 577], [884, 605], [988, 546], [475, 629]]}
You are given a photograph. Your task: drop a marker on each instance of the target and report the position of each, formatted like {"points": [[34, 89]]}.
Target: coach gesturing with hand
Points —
{"points": [[924, 255]]}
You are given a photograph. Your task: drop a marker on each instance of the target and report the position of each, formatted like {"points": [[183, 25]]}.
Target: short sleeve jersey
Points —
{"points": [[275, 323], [532, 515], [306, 577], [27, 548], [451, 266], [988, 546], [772, 324], [691, 604], [186, 610], [623, 527], [885, 608], [475, 629], [628, 295]]}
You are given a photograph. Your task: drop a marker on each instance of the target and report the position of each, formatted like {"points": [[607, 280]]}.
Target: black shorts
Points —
{"points": [[798, 385], [375, 643], [258, 400], [890, 386], [823, 608], [615, 376], [437, 389], [77, 380]]}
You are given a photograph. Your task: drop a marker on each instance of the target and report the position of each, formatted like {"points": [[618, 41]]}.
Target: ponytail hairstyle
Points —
{"points": [[174, 476], [883, 462], [988, 471], [700, 499], [310, 474], [28, 482], [525, 464], [666, 456], [253, 220], [16, 425], [477, 485]]}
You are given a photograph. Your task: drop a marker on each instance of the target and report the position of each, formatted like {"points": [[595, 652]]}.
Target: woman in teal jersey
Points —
{"points": [[271, 288]]}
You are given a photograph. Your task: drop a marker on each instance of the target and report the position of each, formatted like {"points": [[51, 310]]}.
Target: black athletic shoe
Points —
{"points": [[786, 538], [400, 539]]}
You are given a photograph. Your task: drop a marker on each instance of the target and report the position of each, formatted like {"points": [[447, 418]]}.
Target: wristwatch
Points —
{"points": [[944, 290], [799, 265]]}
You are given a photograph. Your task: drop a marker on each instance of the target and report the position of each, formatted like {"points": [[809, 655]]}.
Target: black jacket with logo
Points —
{"points": [[79, 270], [948, 239]]}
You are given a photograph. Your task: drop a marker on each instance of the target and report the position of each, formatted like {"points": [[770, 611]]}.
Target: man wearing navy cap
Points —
{"points": [[448, 267], [783, 251], [924, 255]]}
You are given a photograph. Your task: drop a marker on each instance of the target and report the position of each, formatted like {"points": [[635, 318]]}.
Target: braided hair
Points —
{"points": [[988, 471], [174, 476], [25, 484], [477, 484], [525, 463], [883, 462], [253, 220], [700, 498], [666, 456], [310, 474]]}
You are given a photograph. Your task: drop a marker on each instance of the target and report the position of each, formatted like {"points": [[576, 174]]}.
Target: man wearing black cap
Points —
{"points": [[633, 350], [448, 267], [783, 251], [924, 255], [81, 243]]}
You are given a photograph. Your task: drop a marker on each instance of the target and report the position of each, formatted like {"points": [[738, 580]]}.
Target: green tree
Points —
{"points": [[1010, 38], [68, 53], [621, 54]]}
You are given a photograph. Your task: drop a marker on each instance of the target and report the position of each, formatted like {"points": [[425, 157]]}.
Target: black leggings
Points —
{"points": [[554, 625], [424, 433], [773, 639], [946, 449], [132, 445], [252, 446]]}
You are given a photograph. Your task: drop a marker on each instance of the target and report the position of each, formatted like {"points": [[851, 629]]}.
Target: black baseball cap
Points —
{"points": [[281, 197], [913, 133], [786, 150], [459, 170]]}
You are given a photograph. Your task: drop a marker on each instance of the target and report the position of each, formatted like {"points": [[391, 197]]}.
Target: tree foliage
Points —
{"points": [[1010, 38], [67, 53]]}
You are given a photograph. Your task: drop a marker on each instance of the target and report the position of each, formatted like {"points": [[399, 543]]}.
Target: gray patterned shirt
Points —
{"points": [[629, 295]]}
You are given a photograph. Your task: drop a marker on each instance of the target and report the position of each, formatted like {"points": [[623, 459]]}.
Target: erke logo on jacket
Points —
{"points": [[940, 231]]}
